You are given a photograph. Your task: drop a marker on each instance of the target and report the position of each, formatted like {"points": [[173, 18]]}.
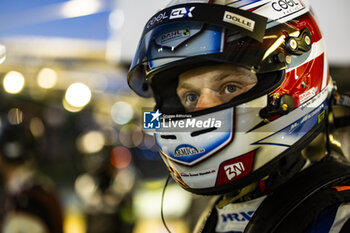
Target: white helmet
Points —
{"points": [[280, 42]]}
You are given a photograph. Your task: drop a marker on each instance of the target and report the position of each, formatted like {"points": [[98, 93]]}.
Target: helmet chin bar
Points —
{"points": [[270, 168]]}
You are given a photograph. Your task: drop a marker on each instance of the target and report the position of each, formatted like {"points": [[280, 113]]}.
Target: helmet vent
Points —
{"points": [[170, 137], [203, 131]]}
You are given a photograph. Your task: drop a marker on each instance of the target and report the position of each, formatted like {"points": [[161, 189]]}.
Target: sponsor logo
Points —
{"points": [[307, 95], [239, 20], [151, 120], [287, 6], [321, 116], [320, 111], [174, 35], [182, 12], [234, 170], [186, 150], [313, 113], [156, 19], [237, 217], [317, 97], [202, 173]]}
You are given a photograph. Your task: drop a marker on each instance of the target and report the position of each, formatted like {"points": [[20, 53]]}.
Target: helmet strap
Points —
{"points": [[242, 192]]}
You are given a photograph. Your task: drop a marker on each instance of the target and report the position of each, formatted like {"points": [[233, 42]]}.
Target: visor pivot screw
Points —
{"points": [[288, 59], [307, 40], [293, 44], [303, 84]]}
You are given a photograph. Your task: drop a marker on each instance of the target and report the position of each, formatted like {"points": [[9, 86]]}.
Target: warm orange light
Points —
{"points": [[120, 157]]}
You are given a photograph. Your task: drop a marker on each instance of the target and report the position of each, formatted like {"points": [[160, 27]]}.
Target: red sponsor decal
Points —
{"points": [[236, 168], [310, 74], [308, 21]]}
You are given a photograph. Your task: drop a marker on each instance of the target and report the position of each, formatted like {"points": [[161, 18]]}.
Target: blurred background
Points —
{"points": [[66, 68]]}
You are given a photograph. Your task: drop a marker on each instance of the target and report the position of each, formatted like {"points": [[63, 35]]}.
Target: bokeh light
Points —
{"points": [[77, 8], [122, 112], [15, 116], [116, 19], [69, 107], [47, 78], [13, 82], [91, 142], [78, 95], [37, 127], [149, 142], [2, 53], [130, 135], [120, 157]]}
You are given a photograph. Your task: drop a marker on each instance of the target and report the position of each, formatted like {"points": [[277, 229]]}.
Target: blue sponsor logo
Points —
{"points": [[187, 150], [151, 120], [237, 217]]}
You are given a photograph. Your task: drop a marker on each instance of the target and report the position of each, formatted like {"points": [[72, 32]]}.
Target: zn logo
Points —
{"points": [[234, 170], [181, 12]]}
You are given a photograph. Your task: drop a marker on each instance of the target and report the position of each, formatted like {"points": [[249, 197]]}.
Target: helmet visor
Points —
{"points": [[177, 34], [182, 43]]}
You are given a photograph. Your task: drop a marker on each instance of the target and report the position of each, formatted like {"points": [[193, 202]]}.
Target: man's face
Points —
{"points": [[210, 86]]}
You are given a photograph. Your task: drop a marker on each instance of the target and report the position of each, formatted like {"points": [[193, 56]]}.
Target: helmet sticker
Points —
{"points": [[282, 10], [182, 12], [296, 130], [192, 140], [239, 20], [234, 169], [307, 95], [185, 150], [198, 173], [157, 19], [253, 25], [174, 37]]}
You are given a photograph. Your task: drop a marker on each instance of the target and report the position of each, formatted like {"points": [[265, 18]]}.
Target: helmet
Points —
{"points": [[278, 41]]}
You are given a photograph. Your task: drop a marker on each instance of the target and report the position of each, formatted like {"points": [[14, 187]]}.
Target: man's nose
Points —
{"points": [[208, 99]]}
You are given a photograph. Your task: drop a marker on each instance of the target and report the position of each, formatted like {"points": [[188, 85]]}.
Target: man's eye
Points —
{"points": [[190, 98], [230, 88]]}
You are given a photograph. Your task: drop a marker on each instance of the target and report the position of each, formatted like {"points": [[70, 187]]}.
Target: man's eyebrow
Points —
{"points": [[220, 77], [236, 75], [185, 85]]}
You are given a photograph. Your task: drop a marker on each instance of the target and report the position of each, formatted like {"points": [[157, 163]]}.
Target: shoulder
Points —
{"points": [[335, 219]]}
